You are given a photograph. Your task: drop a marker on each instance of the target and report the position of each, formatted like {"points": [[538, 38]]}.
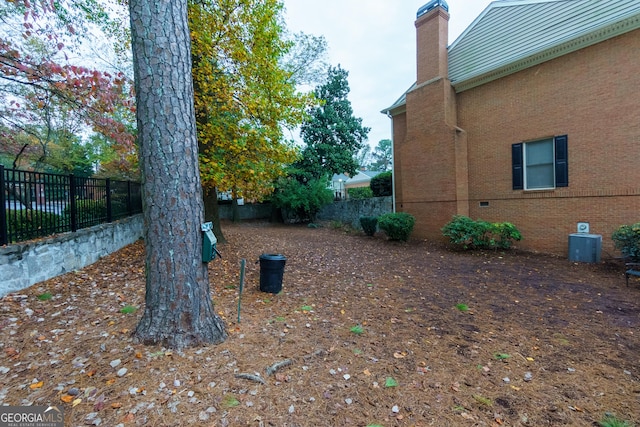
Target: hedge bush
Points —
{"points": [[369, 224], [398, 226], [466, 233], [302, 201], [627, 239], [88, 210], [359, 193], [26, 226], [381, 184]]}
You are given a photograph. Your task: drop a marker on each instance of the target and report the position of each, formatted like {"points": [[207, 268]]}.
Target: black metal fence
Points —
{"points": [[36, 204]]}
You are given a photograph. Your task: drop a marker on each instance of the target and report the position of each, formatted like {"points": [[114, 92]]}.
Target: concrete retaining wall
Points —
{"points": [[23, 264]]}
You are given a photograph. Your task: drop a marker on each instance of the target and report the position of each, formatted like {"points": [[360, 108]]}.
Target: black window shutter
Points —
{"points": [[562, 161], [517, 166]]}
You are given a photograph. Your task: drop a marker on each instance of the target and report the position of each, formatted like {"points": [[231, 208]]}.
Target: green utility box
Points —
{"points": [[209, 242]]}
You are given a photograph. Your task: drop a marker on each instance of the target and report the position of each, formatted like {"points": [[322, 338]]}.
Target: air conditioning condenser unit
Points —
{"points": [[585, 247]]}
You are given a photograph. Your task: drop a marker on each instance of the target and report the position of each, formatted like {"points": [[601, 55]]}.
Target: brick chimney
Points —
{"points": [[432, 32]]}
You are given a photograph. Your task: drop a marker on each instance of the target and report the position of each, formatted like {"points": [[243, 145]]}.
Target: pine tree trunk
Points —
{"points": [[178, 311]]}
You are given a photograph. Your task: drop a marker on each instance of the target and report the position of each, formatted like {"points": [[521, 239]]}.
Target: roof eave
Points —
{"points": [[395, 110], [585, 40], [400, 106]]}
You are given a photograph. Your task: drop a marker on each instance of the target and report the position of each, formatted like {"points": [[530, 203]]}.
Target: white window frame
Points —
{"points": [[525, 165]]}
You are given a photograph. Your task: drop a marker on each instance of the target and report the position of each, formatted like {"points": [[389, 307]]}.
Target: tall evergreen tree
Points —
{"points": [[364, 156], [383, 156], [332, 134]]}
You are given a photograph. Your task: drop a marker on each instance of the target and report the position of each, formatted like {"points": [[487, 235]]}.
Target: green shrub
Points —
{"points": [[118, 207], [27, 225], [627, 239], [466, 233], [504, 234], [398, 226], [302, 200], [381, 184], [360, 193], [88, 210], [369, 224]]}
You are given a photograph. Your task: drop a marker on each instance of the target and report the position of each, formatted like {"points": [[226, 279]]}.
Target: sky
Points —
{"points": [[375, 41]]}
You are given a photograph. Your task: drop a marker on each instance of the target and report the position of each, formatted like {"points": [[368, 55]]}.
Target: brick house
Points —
{"points": [[341, 183], [531, 116]]}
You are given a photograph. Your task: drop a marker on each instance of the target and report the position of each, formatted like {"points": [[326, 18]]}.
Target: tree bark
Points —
{"points": [[178, 308]]}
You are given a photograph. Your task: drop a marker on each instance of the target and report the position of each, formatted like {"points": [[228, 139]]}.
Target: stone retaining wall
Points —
{"points": [[350, 211], [247, 212], [26, 263]]}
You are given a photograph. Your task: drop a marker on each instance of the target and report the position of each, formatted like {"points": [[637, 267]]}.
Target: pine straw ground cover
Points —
{"points": [[365, 332]]}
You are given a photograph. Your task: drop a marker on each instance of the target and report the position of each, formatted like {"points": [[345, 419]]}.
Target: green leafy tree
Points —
{"points": [[114, 160], [382, 156], [301, 201], [40, 85], [332, 135], [69, 155], [245, 73], [363, 157], [305, 61]]}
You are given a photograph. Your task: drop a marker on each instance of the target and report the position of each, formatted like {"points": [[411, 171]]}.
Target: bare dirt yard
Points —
{"points": [[365, 332]]}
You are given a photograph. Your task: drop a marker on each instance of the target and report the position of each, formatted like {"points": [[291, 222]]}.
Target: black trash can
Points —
{"points": [[271, 272]]}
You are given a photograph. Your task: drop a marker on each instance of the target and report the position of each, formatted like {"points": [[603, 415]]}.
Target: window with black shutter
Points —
{"points": [[540, 165]]}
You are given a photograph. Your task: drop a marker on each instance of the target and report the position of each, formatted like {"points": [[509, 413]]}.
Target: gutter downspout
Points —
{"points": [[393, 166]]}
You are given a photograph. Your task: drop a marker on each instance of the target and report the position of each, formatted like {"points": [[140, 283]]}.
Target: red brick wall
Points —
{"points": [[431, 39], [591, 95], [425, 159]]}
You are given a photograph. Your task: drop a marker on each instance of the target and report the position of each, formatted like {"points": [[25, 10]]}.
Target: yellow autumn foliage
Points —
{"points": [[244, 97]]}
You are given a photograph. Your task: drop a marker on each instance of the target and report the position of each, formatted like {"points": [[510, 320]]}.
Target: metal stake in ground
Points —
{"points": [[243, 262]]}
